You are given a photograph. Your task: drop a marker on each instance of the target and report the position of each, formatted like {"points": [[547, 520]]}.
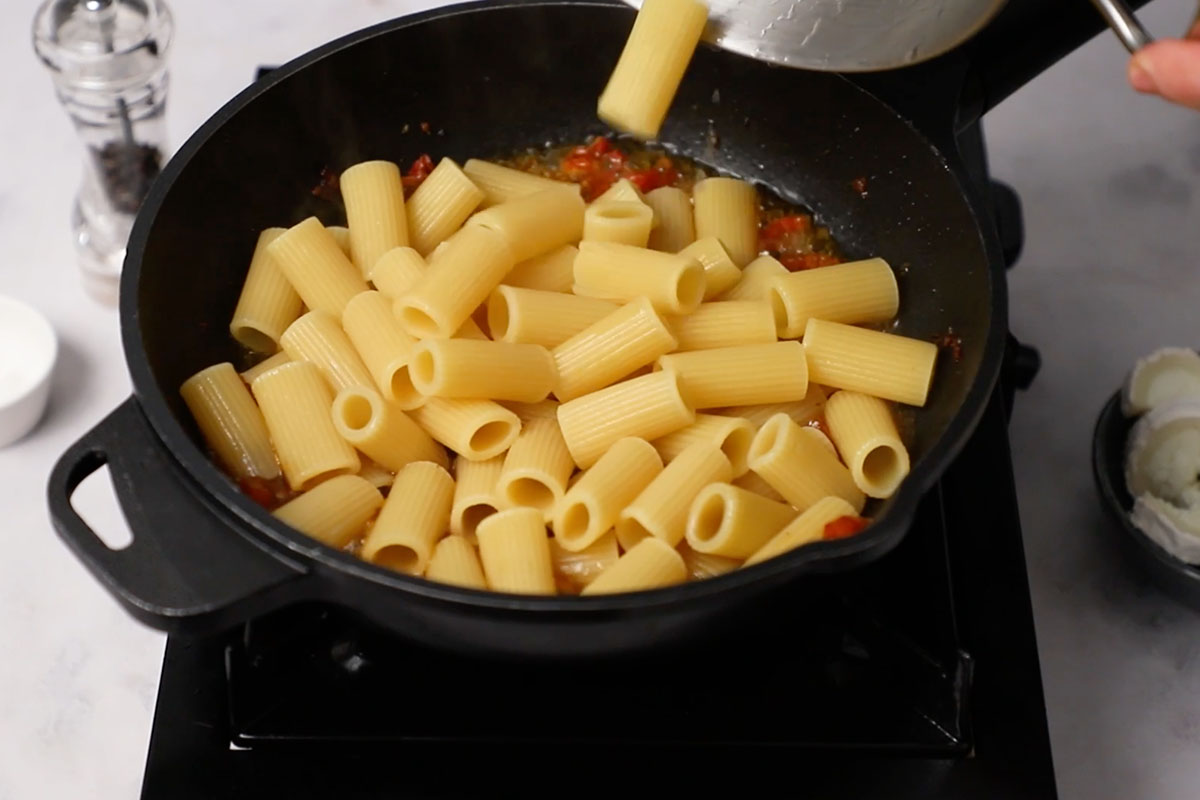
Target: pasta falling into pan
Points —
{"points": [[605, 371]]}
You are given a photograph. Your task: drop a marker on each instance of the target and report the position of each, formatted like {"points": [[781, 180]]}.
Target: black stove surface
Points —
{"points": [[916, 677]]}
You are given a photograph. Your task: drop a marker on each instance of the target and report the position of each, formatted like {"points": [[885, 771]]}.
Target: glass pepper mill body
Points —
{"points": [[108, 60]]}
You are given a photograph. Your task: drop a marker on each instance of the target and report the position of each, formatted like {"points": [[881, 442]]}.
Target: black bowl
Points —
{"points": [[1176, 578]]}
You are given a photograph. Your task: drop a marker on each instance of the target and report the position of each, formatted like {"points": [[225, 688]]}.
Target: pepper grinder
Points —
{"points": [[108, 61]]}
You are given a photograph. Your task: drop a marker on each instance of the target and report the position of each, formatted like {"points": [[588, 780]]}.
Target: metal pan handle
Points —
{"points": [[1124, 24], [186, 571]]}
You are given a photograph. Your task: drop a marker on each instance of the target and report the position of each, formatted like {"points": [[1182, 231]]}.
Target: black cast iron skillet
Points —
{"points": [[490, 79]]}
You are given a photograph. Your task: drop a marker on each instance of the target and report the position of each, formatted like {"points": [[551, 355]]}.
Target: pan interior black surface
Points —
{"points": [[808, 136]]}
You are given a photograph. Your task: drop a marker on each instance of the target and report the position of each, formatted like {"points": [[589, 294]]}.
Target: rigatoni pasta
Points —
{"points": [[650, 564], [632, 336], [537, 223], [661, 509], [382, 431], [728, 376], [647, 407], [724, 324], [268, 303], [872, 362], [675, 229], [800, 467], [727, 209], [475, 429], [515, 552], [755, 280], [727, 521], [651, 66], [318, 338], [533, 316], [414, 516], [274, 361], [621, 221], [803, 412], [335, 512], [720, 273], [440, 205], [454, 561], [549, 272], [296, 402], [579, 568], [501, 184], [309, 257], [865, 433], [385, 348], [536, 468], [475, 497], [230, 422], [468, 368], [592, 505], [854, 292], [673, 283], [374, 197], [397, 271], [807, 528], [733, 435]]}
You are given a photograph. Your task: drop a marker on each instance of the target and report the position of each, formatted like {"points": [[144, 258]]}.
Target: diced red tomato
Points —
{"points": [[845, 527], [417, 173], [777, 228], [259, 490], [799, 261]]}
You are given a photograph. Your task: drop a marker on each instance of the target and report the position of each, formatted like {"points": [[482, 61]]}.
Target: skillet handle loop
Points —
{"points": [[186, 570], [1124, 24]]}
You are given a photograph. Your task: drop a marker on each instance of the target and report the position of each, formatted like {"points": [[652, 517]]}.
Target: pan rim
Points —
{"points": [[259, 526]]}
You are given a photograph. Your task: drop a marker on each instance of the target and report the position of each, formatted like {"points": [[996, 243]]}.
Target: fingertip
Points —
{"points": [[1170, 68], [1140, 74]]}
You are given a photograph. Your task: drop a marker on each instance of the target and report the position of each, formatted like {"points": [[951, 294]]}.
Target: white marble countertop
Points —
{"points": [[1111, 186]]}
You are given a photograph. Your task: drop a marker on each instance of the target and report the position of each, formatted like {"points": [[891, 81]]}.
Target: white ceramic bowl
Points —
{"points": [[28, 350]]}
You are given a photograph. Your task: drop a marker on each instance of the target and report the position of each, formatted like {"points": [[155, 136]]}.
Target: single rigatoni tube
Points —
{"points": [[385, 348], [475, 496], [475, 429], [415, 515], [799, 466], [374, 197], [267, 304], [532, 316], [333, 512], [230, 421], [296, 402], [802, 412], [727, 521], [549, 272], [318, 338], [591, 506], [753, 482], [731, 434], [267, 363], [341, 235], [440, 205], [546, 409], [871, 362], [383, 431], [455, 562], [865, 433], [647, 407], [651, 66], [807, 528], [475, 261], [701, 566], [536, 468], [318, 270], [397, 271], [469, 368], [537, 223], [650, 564], [720, 273], [727, 208], [610, 348], [743, 375], [724, 324], [375, 474], [673, 283], [661, 509], [854, 292], [755, 283], [621, 221], [581, 567], [501, 184], [673, 209], [515, 552]]}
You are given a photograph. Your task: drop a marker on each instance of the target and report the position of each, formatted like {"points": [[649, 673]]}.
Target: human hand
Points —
{"points": [[1170, 68]]}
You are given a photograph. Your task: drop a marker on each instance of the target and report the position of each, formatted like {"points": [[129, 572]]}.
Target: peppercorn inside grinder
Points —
{"points": [[108, 61]]}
